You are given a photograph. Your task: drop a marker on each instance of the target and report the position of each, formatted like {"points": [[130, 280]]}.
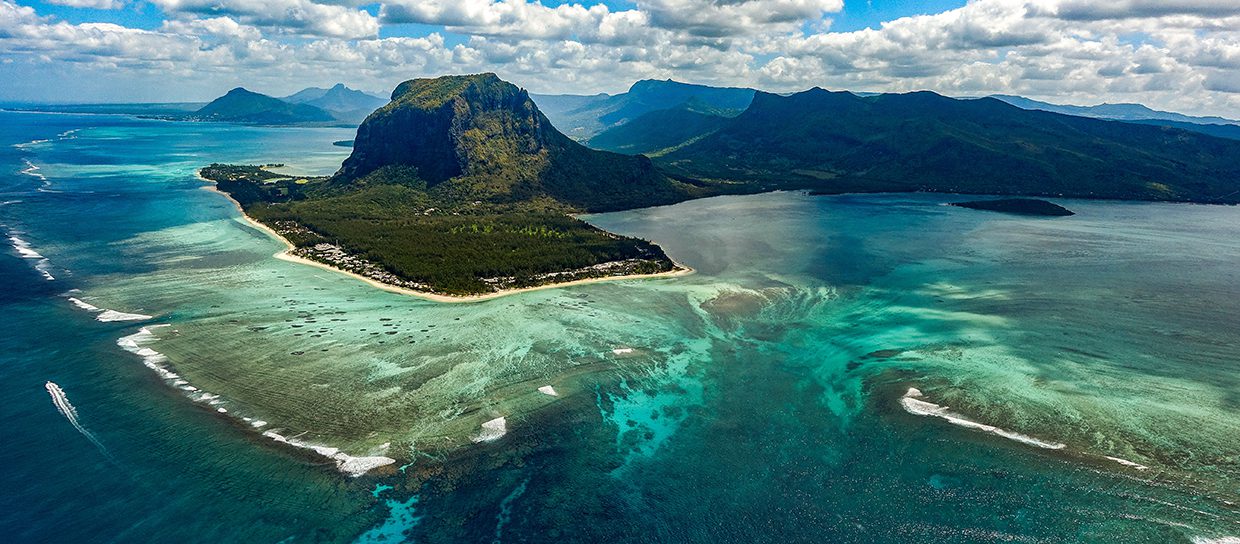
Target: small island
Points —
{"points": [[1019, 206]]}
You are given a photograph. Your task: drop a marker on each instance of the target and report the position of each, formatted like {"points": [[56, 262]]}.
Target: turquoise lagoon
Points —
{"points": [[877, 368]]}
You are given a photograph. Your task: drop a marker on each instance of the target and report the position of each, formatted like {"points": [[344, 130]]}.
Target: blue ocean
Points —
{"points": [[853, 368]]}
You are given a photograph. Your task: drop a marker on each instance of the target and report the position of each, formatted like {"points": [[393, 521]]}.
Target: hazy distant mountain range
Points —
{"points": [[343, 102], [308, 106], [1135, 113], [583, 117]]}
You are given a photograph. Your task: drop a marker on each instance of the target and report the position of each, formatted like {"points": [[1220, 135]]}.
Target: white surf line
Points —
{"points": [[349, 464], [32, 170], [31, 143], [914, 405], [1130, 464], [1218, 540], [105, 315], [136, 344], [24, 250], [66, 409]]}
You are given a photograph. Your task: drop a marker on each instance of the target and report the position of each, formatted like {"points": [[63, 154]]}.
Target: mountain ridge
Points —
{"points": [[241, 105], [922, 141]]}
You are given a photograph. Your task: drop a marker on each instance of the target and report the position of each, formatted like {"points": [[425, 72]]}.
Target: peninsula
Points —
{"points": [[457, 189]]}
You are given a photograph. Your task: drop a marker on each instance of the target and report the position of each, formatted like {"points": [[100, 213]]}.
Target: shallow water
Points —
{"points": [[758, 399]]}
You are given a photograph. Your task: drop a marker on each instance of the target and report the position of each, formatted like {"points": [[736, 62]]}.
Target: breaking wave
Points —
{"points": [[24, 249], [136, 344], [105, 315], [913, 404]]}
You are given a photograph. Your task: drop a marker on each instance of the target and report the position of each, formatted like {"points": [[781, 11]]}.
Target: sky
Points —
{"points": [[1179, 55]]}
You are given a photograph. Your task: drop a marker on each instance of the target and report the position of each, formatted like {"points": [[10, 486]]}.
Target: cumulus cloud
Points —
{"points": [[93, 4], [1130, 9], [723, 18], [1173, 54], [294, 16], [519, 18]]}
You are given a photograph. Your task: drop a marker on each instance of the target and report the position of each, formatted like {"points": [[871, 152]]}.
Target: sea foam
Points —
{"points": [[107, 315], [349, 464], [492, 430], [23, 248], [914, 405], [1131, 464]]}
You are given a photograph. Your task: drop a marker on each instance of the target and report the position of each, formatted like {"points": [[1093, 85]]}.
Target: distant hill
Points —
{"points": [[1132, 113], [838, 141], [595, 114], [662, 130], [346, 103], [243, 106]]}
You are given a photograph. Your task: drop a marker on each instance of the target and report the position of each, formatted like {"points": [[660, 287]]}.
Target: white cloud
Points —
{"points": [[725, 18], [94, 4], [294, 16], [1181, 55]]}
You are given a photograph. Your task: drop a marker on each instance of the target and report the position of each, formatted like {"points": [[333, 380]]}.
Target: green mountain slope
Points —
{"points": [[243, 106], [662, 130], [837, 141]]}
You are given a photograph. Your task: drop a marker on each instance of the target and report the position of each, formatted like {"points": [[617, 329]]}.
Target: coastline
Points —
{"points": [[286, 255]]}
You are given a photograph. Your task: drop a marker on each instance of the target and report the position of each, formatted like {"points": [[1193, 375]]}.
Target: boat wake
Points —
{"points": [[66, 409]]}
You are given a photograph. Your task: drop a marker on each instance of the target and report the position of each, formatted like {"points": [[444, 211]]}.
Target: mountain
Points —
{"points": [[596, 114], [460, 185], [346, 103], [922, 141], [491, 141], [660, 131], [1133, 113], [243, 106]]}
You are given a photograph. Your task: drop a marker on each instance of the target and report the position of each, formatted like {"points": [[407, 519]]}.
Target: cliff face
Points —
{"points": [[489, 140], [448, 127]]}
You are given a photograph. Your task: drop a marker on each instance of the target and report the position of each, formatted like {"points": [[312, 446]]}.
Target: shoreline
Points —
{"points": [[286, 255]]}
